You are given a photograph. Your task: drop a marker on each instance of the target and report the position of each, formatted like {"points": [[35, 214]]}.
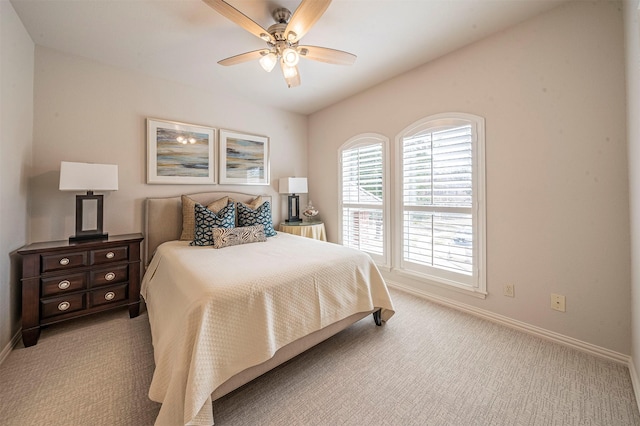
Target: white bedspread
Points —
{"points": [[216, 312]]}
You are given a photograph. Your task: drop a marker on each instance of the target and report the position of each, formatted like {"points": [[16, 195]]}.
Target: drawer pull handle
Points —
{"points": [[64, 284], [64, 261], [110, 255], [63, 306], [110, 295], [109, 276]]}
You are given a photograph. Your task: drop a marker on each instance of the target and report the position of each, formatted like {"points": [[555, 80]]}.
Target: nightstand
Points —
{"points": [[62, 280], [313, 230]]}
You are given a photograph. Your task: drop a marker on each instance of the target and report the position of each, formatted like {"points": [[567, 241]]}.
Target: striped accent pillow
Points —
{"points": [[226, 237]]}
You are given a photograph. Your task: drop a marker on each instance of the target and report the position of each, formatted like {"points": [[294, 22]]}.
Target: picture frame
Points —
{"points": [[180, 153], [244, 158]]}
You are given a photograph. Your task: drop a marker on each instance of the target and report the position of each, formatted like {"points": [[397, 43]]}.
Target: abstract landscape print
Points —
{"points": [[244, 158], [180, 153]]}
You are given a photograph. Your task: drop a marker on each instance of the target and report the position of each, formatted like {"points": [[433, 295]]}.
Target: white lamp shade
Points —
{"points": [[268, 62], [289, 71], [88, 177], [292, 185]]}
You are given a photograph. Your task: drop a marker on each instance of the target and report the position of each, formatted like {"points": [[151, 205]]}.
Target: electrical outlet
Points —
{"points": [[558, 302], [509, 290]]}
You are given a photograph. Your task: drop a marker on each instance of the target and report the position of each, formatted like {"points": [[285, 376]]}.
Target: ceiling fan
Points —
{"points": [[283, 37]]}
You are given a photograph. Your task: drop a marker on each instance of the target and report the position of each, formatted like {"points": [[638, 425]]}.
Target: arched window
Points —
{"points": [[363, 214], [440, 186]]}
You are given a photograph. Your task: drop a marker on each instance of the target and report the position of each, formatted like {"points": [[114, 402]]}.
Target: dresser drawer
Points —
{"points": [[62, 305], [108, 276], [55, 262], [107, 295], [63, 284], [114, 254]]}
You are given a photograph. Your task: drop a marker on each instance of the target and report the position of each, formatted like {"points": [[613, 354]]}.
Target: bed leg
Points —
{"points": [[377, 317]]}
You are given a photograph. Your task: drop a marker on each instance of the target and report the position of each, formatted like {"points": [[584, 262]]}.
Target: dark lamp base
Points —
{"points": [[294, 209], [85, 238]]}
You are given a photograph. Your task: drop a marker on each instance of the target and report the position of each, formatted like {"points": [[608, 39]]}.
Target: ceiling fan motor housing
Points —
{"points": [[281, 15], [277, 31]]}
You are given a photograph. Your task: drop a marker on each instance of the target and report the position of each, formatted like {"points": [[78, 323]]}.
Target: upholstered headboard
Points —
{"points": [[163, 216]]}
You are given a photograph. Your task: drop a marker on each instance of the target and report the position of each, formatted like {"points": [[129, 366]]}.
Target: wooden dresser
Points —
{"points": [[62, 280]]}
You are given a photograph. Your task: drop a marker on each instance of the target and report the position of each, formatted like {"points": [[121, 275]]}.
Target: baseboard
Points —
{"points": [[522, 326], [12, 343], [635, 381]]}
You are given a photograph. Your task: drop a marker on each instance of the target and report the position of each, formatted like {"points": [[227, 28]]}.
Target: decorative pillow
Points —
{"points": [[226, 237], [255, 203], [188, 216], [206, 221], [258, 216]]}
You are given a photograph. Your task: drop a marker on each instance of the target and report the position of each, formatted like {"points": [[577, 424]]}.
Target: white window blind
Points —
{"points": [[440, 228], [437, 192], [362, 186]]}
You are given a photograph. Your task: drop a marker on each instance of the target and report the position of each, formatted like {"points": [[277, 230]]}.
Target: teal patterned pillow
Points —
{"points": [[260, 216], [234, 236], [206, 220]]}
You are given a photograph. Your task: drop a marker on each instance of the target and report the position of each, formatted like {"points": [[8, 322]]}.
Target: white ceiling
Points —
{"points": [[182, 40]]}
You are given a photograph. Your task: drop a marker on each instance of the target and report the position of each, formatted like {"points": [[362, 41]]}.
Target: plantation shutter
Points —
{"points": [[437, 193], [362, 198]]}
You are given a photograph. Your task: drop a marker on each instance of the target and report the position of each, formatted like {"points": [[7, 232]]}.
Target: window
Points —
{"points": [[363, 217], [440, 181]]}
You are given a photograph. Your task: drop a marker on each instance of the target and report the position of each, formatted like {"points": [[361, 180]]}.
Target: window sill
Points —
{"points": [[460, 288]]}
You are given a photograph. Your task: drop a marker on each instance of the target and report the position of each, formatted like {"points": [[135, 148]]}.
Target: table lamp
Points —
{"points": [[89, 207], [293, 186]]}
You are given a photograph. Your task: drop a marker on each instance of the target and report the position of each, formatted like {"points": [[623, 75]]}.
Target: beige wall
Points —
{"points": [[86, 111], [553, 95], [16, 118], [632, 39]]}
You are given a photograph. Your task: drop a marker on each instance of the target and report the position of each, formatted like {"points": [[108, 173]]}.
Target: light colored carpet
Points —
{"points": [[430, 365]]}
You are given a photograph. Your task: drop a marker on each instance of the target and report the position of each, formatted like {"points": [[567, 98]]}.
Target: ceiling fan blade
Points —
{"points": [[304, 17], [324, 54], [233, 14], [244, 57]]}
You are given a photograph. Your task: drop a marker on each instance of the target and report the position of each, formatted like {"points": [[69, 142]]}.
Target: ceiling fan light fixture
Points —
{"points": [[289, 72], [292, 81], [290, 57], [268, 61]]}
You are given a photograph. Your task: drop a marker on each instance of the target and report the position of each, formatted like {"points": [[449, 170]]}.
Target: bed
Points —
{"points": [[221, 317]]}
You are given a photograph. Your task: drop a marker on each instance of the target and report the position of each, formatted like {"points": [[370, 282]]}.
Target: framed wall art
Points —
{"points": [[244, 159], [180, 153]]}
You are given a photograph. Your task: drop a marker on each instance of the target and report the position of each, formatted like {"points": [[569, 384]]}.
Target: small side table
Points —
{"points": [[313, 230]]}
